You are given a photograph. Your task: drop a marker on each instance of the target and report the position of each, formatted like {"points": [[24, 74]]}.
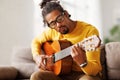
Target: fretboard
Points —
{"points": [[65, 52], [62, 54]]}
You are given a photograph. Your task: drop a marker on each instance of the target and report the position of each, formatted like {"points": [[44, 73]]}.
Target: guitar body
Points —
{"points": [[62, 66]]}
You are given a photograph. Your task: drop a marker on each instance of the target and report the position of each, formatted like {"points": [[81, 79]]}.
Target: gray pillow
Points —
{"points": [[23, 61], [113, 60]]}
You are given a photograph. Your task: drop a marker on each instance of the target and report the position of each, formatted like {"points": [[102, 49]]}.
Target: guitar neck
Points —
{"points": [[64, 53]]}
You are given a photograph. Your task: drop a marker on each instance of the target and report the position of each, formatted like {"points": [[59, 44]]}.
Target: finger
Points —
{"points": [[79, 48], [75, 49], [42, 62], [73, 52], [42, 66]]}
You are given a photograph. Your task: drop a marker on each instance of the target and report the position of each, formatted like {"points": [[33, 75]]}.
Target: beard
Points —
{"points": [[63, 30]]}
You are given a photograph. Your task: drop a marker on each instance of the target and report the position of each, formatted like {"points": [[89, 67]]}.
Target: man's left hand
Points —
{"points": [[78, 54]]}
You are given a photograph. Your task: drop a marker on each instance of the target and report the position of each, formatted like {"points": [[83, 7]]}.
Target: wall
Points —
{"points": [[85, 10], [16, 26], [110, 10], [38, 20]]}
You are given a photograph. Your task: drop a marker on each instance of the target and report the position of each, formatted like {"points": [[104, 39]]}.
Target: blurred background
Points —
{"points": [[21, 21]]}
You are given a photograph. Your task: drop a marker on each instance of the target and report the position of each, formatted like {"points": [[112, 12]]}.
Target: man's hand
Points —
{"points": [[44, 62], [78, 55], [40, 61]]}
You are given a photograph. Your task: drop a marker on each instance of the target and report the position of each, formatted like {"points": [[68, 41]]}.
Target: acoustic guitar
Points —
{"points": [[60, 52]]}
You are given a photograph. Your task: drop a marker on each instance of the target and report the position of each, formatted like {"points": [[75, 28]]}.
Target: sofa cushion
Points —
{"points": [[7, 73], [22, 60], [113, 60]]}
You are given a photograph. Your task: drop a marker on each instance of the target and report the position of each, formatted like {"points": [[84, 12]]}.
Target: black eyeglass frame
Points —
{"points": [[59, 19]]}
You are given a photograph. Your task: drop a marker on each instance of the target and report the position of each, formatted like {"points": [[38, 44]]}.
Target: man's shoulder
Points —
{"points": [[84, 23]]}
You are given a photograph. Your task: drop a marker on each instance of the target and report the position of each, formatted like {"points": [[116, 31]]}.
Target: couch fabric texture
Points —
{"points": [[22, 60], [113, 60]]}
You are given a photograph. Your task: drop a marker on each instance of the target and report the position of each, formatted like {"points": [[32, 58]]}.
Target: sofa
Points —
{"points": [[22, 64]]}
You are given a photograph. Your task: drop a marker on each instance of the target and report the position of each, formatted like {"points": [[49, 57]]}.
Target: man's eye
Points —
{"points": [[52, 23], [59, 19]]}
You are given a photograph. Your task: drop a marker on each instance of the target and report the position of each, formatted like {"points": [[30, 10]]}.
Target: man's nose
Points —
{"points": [[58, 25]]}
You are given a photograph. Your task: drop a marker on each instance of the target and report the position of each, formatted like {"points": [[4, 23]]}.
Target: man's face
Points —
{"points": [[59, 21]]}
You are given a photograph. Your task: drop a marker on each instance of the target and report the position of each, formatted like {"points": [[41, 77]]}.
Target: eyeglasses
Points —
{"points": [[59, 19]]}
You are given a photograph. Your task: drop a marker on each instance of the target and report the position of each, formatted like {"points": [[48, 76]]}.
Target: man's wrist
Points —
{"points": [[83, 64]]}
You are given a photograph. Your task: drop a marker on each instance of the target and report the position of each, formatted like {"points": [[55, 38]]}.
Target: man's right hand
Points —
{"points": [[44, 62], [41, 61]]}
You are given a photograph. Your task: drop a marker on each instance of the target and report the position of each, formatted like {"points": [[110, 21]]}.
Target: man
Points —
{"points": [[86, 65]]}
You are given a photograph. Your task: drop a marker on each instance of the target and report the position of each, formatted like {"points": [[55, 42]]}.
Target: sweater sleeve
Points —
{"points": [[93, 58], [93, 67], [38, 41]]}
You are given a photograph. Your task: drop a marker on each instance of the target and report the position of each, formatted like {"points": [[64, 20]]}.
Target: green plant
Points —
{"points": [[114, 34]]}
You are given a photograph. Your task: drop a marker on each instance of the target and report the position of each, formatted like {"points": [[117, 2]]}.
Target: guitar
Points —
{"points": [[60, 51]]}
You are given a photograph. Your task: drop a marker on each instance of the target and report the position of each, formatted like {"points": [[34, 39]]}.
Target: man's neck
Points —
{"points": [[73, 25]]}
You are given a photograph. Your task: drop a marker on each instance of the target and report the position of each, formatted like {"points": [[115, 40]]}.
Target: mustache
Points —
{"points": [[62, 26]]}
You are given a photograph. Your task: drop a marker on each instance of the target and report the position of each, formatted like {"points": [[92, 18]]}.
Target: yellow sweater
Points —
{"points": [[81, 31]]}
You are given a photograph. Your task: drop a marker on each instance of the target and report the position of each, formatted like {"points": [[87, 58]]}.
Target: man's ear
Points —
{"points": [[67, 14]]}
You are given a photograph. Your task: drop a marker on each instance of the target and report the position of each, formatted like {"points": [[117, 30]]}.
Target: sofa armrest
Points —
{"points": [[7, 73]]}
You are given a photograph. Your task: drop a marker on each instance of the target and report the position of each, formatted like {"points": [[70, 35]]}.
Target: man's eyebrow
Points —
{"points": [[52, 21], [55, 19]]}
